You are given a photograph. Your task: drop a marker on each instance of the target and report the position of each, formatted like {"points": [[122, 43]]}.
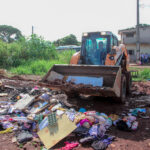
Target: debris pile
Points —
{"points": [[141, 88], [41, 113]]}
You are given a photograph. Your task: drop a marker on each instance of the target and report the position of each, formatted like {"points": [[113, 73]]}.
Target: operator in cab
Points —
{"points": [[102, 52]]}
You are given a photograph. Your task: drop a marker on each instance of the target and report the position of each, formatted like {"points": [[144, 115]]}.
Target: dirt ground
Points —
{"points": [[134, 140], [140, 66]]}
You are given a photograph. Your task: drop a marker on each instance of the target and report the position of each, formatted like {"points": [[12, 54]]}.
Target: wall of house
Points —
{"points": [[145, 48], [144, 36], [128, 40]]}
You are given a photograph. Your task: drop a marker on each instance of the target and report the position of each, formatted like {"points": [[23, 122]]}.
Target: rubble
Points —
{"points": [[34, 113]]}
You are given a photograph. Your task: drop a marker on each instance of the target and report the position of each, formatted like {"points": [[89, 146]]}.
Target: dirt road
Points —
{"points": [[140, 66], [134, 140]]}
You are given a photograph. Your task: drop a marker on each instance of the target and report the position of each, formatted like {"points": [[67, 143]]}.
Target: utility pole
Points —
{"points": [[138, 34], [32, 30]]}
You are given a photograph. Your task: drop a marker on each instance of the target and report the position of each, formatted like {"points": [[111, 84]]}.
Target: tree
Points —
{"points": [[9, 33], [67, 40]]}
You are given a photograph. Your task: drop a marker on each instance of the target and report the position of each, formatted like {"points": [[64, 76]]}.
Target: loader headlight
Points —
{"points": [[111, 57], [103, 33], [85, 34]]}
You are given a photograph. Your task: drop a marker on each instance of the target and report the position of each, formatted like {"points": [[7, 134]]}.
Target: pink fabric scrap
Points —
{"points": [[85, 120], [69, 146], [36, 88]]}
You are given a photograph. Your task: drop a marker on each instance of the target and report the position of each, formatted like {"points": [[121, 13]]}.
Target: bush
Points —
{"points": [[31, 55], [38, 48], [18, 52], [4, 54]]}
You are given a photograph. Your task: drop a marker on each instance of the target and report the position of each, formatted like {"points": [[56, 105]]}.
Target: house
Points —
{"points": [[128, 37]]}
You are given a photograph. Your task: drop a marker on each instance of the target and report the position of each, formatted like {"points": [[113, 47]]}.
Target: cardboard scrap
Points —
{"points": [[24, 102], [3, 94], [51, 135]]}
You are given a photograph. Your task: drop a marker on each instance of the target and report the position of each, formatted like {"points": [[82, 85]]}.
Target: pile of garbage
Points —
{"points": [[41, 113]]}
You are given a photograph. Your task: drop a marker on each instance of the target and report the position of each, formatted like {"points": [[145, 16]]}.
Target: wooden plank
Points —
{"points": [[51, 135]]}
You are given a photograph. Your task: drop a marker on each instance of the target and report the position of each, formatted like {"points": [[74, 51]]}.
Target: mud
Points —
{"points": [[74, 89]]}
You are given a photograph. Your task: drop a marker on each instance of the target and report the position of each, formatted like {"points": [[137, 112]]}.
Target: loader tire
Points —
{"points": [[129, 83], [123, 89]]}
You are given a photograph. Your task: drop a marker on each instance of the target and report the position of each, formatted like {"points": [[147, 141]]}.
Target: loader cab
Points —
{"points": [[95, 47]]}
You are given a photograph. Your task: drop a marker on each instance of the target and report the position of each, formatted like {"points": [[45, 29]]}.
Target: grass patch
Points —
{"points": [[144, 75], [41, 67]]}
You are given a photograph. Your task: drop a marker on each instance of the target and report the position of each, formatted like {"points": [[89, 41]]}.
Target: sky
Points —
{"points": [[54, 19]]}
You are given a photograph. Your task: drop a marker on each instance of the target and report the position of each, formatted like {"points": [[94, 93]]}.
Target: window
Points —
{"points": [[131, 52], [89, 47], [96, 50], [103, 40], [115, 41], [130, 35]]}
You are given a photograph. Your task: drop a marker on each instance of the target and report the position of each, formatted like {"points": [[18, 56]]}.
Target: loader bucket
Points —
{"points": [[85, 79]]}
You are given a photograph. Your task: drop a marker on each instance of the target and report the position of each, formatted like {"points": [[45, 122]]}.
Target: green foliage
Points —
{"points": [[65, 56], [141, 25], [41, 49], [3, 54], [144, 25], [68, 40], [144, 74], [41, 67], [9, 33], [31, 55], [15, 53]]}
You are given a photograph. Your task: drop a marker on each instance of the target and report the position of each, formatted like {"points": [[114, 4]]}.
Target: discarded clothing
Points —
{"points": [[103, 143], [7, 130], [85, 120], [70, 115], [69, 146], [122, 125], [135, 111], [97, 130], [81, 131], [87, 139], [24, 136]]}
